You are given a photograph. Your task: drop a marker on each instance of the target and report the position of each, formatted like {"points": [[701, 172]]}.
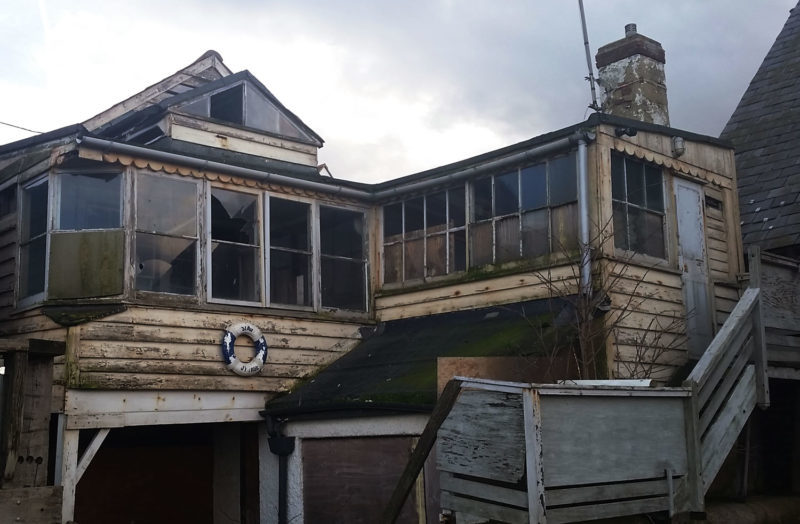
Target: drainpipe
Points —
{"points": [[583, 215], [282, 446]]}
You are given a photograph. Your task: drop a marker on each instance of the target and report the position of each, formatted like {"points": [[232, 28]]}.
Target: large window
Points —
{"points": [[235, 246], [290, 259], [637, 190], [342, 256], [525, 212], [33, 239], [166, 234], [424, 236]]}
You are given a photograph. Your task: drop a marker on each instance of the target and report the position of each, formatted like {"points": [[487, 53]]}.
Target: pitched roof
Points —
{"points": [[765, 130]]}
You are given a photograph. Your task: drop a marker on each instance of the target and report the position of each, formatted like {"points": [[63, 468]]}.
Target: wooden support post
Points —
{"points": [[69, 470], [16, 363], [693, 497], [90, 452], [759, 337], [420, 453], [533, 457]]}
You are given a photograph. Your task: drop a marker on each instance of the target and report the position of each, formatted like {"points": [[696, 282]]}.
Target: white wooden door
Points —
{"points": [[693, 265]]}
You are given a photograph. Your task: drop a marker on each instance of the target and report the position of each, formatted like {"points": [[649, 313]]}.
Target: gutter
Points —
{"points": [[164, 156], [210, 165], [528, 154]]}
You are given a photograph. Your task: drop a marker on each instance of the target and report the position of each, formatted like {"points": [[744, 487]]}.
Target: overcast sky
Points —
{"points": [[394, 87]]}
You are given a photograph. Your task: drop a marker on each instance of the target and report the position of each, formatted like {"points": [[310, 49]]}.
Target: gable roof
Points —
{"points": [[205, 69], [765, 130], [233, 79]]}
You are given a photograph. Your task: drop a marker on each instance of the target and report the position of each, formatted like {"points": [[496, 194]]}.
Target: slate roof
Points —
{"points": [[765, 130]]}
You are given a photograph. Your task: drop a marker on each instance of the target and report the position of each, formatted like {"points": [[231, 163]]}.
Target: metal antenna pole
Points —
{"points": [[590, 78]]}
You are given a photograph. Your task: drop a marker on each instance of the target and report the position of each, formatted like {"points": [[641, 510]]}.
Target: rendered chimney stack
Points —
{"points": [[631, 73]]}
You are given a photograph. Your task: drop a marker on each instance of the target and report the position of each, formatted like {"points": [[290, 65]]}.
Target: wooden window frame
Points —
{"points": [[666, 187], [207, 251], [317, 268], [520, 212], [24, 302], [446, 231], [200, 293]]}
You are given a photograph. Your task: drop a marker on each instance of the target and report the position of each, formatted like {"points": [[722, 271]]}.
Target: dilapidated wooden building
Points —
{"points": [[137, 244]]}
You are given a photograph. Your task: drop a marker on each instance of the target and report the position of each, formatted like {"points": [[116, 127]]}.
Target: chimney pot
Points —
{"points": [[630, 30]]}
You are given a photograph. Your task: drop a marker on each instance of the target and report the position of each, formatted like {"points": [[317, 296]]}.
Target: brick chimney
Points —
{"points": [[631, 73]]}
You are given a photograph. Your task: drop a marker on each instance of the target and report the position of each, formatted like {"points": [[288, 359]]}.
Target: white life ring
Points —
{"points": [[245, 369]]}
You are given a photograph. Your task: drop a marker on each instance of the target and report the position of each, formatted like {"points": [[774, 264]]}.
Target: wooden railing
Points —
{"points": [[727, 383]]}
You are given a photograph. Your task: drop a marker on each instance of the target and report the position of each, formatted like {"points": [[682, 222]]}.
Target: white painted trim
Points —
{"points": [[373, 426], [90, 452], [294, 485], [111, 409]]}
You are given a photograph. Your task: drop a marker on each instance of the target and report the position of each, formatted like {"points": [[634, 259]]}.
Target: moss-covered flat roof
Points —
{"points": [[395, 368]]}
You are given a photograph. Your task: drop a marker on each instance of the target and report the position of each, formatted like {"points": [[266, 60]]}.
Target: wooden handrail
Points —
{"points": [[719, 348]]}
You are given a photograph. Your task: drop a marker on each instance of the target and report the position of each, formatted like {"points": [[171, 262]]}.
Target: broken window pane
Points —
{"points": [[654, 188], [506, 194], [235, 256], [414, 264], [458, 251], [534, 186], [436, 254], [234, 217], [288, 224], [482, 191], [392, 263], [535, 227], [343, 284], [414, 218], [392, 222], [234, 272], [646, 232], [563, 180], [507, 239], [227, 105], [341, 232], [456, 199], [166, 205], [435, 210], [480, 236], [290, 278], [165, 264]]}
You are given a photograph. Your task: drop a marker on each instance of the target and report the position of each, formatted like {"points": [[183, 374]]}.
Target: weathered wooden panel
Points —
{"points": [[606, 492], [472, 511], [484, 436], [182, 382], [609, 439], [723, 433], [468, 295], [86, 264], [40, 505], [481, 490], [610, 510], [780, 285]]}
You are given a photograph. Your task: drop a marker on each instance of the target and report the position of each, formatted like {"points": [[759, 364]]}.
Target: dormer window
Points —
{"points": [[228, 105], [245, 104]]}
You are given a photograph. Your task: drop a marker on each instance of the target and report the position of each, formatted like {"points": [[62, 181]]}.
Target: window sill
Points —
{"points": [[639, 259]]}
